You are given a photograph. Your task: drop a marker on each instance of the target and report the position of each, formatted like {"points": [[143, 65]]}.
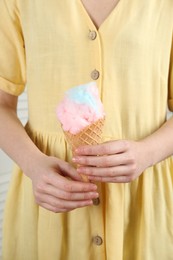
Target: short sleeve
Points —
{"points": [[12, 50], [170, 90]]}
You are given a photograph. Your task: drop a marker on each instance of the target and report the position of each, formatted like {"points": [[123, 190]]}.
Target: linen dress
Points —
{"points": [[51, 46]]}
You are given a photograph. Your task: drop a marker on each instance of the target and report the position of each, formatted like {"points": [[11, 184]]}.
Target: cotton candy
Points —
{"points": [[80, 107]]}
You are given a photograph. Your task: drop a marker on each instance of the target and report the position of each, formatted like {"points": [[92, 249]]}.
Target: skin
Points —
{"points": [[99, 10], [57, 186], [52, 189], [122, 161]]}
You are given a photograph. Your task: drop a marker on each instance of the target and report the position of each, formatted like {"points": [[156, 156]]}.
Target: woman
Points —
{"points": [[126, 47]]}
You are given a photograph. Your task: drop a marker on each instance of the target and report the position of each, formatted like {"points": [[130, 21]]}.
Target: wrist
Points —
{"points": [[148, 153], [31, 162]]}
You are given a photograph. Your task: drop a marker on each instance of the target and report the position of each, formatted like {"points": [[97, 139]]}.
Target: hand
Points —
{"points": [[58, 187], [115, 161]]}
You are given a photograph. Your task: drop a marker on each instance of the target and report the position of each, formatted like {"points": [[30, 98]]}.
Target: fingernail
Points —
{"points": [[73, 159], [96, 194], [76, 159], [77, 150]]}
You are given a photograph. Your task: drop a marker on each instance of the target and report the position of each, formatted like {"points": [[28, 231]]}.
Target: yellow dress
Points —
{"points": [[51, 46]]}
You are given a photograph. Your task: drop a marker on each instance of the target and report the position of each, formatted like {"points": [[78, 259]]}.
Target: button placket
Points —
{"points": [[94, 38], [96, 75]]}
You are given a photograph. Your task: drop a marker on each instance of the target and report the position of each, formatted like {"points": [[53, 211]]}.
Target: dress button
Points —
{"points": [[95, 74], [96, 201], [97, 240], [92, 35]]}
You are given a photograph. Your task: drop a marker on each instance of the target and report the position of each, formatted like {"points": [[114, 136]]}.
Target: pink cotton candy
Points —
{"points": [[75, 116]]}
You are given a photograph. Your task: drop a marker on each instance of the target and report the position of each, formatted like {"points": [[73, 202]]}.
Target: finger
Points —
{"points": [[107, 148], [103, 161], [64, 204], [67, 170], [106, 172], [118, 179], [51, 208], [50, 190], [64, 184]]}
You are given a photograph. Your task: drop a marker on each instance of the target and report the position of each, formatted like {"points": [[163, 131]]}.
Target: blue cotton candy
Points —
{"points": [[81, 95]]}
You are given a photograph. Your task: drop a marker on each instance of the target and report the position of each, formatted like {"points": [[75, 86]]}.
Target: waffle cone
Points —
{"points": [[90, 135]]}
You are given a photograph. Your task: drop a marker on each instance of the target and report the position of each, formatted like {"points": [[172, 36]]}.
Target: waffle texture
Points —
{"points": [[90, 135]]}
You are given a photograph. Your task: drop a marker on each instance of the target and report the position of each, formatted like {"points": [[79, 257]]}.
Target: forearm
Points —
{"points": [[14, 140], [159, 145]]}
